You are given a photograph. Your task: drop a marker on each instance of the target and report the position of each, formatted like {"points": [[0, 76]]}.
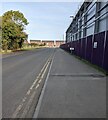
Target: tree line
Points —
{"points": [[12, 26]]}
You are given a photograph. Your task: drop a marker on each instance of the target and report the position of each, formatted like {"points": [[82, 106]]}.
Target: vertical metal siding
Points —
{"points": [[105, 65], [83, 48], [98, 52], [89, 48]]}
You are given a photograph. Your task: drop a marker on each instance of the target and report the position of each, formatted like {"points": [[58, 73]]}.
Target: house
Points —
{"points": [[48, 43]]}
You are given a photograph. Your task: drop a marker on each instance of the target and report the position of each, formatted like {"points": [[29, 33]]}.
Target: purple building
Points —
{"points": [[87, 34]]}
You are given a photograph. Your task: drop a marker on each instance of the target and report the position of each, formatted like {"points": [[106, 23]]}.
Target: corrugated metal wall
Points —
{"points": [[84, 48], [105, 61]]}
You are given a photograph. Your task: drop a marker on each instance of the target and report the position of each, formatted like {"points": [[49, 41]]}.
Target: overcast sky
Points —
{"points": [[47, 20]]}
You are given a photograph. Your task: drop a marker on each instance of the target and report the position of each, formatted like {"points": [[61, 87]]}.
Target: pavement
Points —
{"points": [[19, 71], [72, 89]]}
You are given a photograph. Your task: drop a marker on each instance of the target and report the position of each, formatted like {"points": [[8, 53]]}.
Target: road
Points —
{"points": [[72, 89], [19, 72]]}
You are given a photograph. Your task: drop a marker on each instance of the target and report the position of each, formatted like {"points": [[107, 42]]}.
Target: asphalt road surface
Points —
{"points": [[73, 89], [19, 72]]}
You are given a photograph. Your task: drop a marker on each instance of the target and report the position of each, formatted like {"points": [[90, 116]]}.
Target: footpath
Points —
{"points": [[72, 89]]}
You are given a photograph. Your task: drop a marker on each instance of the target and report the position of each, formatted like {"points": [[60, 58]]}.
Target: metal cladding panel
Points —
{"points": [[74, 46], [83, 48], [92, 48], [68, 47], [79, 53], [105, 64], [65, 46], [97, 57], [77, 47], [89, 47]]}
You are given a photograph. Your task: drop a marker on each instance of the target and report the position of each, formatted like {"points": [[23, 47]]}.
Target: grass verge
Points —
{"points": [[19, 50]]}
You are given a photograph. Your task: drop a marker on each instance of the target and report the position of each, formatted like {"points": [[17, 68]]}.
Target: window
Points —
{"points": [[90, 24], [103, 25]]}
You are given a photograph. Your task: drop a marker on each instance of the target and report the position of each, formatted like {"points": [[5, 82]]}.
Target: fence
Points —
{"points": [[93, 48]]}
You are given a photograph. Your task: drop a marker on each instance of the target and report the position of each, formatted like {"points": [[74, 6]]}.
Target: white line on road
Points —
{"points": [[24, 99], [40, 81], [28, 92], [37, 86], [17, 110], [42, 93], [34, 83]]}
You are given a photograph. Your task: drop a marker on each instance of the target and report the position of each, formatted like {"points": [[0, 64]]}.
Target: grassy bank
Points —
{"points": [[18, 50]]}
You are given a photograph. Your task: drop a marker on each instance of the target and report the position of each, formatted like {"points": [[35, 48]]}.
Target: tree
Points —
{"points": [[13, 26], [23, 36], [0, 22]]}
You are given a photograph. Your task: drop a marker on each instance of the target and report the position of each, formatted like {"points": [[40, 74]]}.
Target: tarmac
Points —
{"points": [[72, 89]]}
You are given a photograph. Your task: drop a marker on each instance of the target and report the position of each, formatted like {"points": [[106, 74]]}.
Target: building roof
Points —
{"points": [[59, 40], [46, 40], [35, 40]]}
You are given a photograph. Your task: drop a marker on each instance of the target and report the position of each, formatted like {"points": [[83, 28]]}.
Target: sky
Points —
{"points": [[47, 20]]}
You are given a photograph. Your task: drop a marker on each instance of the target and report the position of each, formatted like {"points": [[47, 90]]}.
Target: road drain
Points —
{"points": [[79, 75]]}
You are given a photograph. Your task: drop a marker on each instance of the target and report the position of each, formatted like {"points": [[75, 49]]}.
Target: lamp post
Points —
{"points": [[72, 17]]}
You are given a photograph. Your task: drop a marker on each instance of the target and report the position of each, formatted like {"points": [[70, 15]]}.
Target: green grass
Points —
{"points": [[18, 50], [5, 52]]}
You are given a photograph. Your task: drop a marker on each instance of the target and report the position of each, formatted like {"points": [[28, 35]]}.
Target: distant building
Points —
{"points": [[58, 43], [36, 41], [48, 43]]}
